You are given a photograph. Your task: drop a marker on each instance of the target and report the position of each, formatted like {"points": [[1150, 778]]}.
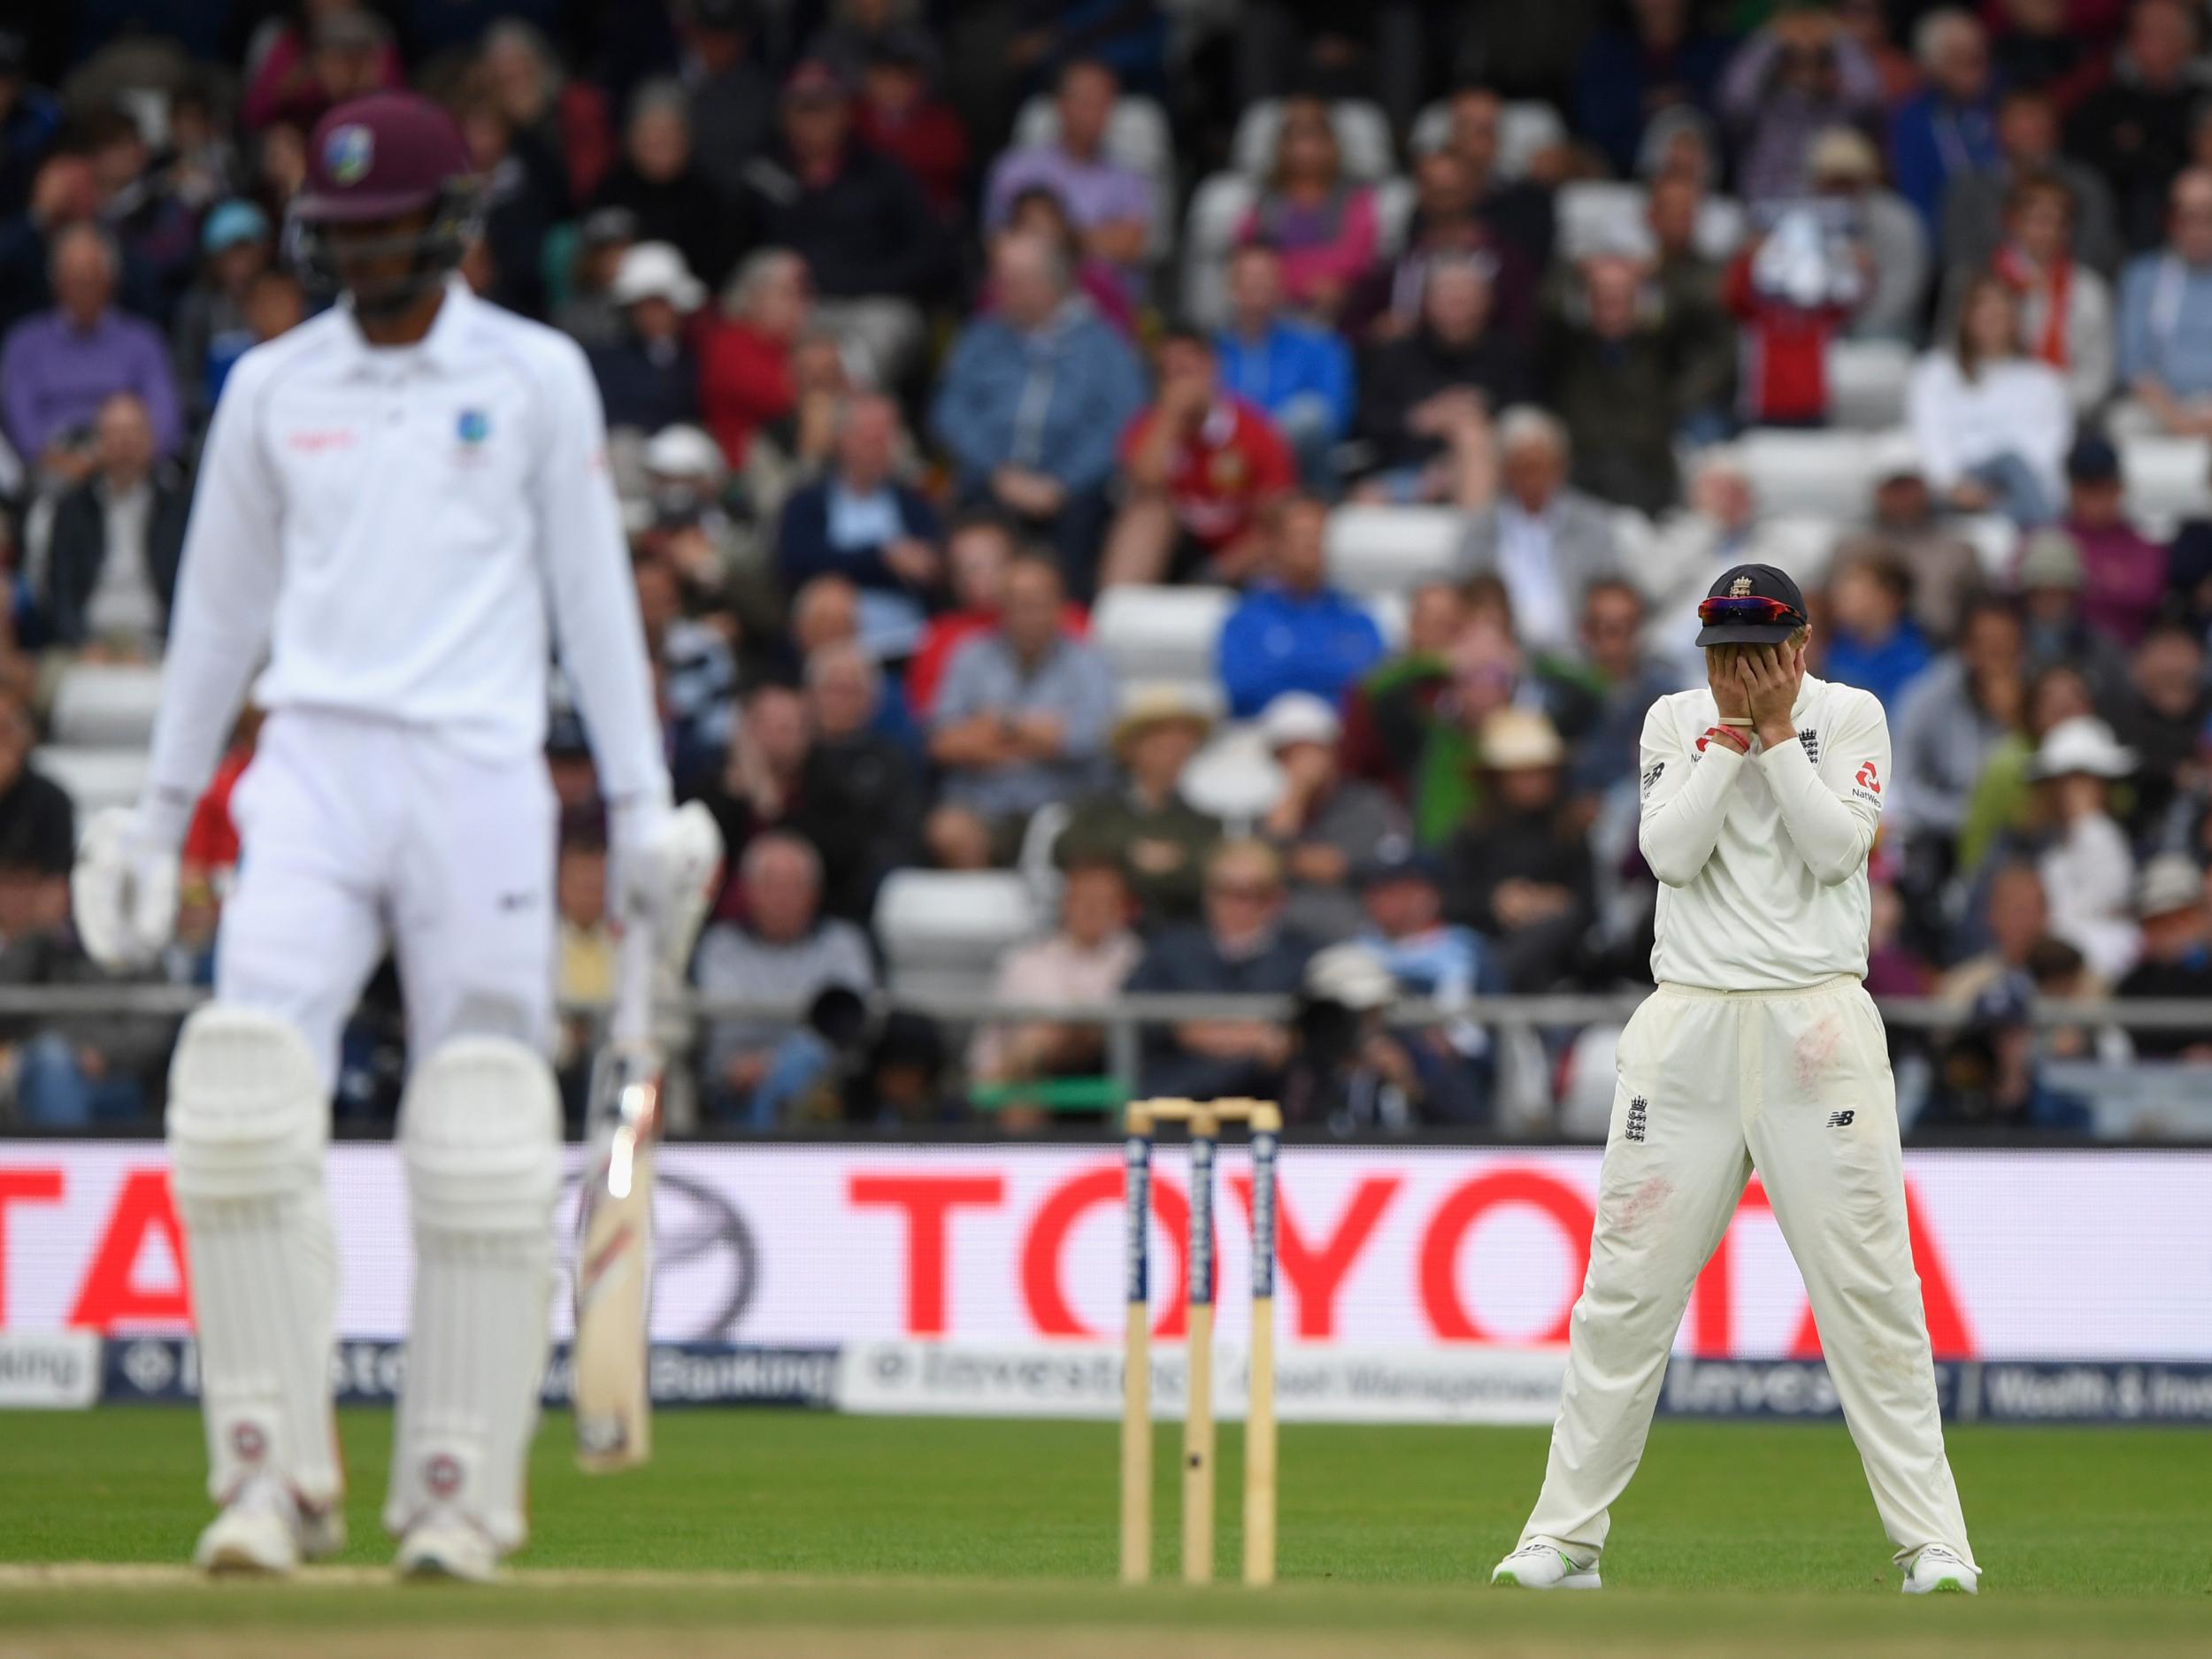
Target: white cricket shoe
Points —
{"points": [[1937, 1568], [446, 1544], [258, 1531], [1540, 1566]]}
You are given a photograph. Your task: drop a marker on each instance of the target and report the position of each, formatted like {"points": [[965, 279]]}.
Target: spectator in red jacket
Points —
{"points": [[1793, 289], [899, 114], [1198, 466], [745, 359]]}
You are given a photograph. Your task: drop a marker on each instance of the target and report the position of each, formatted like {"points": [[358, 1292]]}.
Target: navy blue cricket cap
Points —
{"points": [[1755, 581]]}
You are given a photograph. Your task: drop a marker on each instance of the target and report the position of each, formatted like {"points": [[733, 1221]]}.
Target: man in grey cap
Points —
{"points": [[2049, 579]]}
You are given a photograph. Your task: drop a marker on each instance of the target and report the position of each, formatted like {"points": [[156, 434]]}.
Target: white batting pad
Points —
{"points": [[247, 1129], [480, 1130]]}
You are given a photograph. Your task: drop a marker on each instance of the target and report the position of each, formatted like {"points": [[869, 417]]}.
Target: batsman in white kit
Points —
{"points": [[404, 505], [1759, 1050]]}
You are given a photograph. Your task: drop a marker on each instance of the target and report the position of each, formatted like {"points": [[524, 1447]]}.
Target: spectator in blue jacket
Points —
{"points": [[2166, 319], [1873, 643], [1948, 130], [1033, 400], [859, 522], [1293, 632], [1300, 375]]}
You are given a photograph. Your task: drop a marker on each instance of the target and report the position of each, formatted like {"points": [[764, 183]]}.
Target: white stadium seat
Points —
{"points": [[944, 929], [1866, 383], [1594, 214], [1803, 543], [2168, 478], [1995, 540], [1431, 128], [1209, 231], [1722, 226], [104, 705], [1394, 212], [1526, 127], [1165, 633], [1392, 611], [93, 777], [1394, 549], [1363, 137], [1634, 536], [1830, 474]]}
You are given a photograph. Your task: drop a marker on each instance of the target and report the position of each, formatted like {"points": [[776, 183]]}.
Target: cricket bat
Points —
{"points": [[614, 1214], [614, 1226]]}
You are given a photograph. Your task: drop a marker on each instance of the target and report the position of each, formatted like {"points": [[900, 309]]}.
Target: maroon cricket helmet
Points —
{"points": [[382, 157], [379, 156]]}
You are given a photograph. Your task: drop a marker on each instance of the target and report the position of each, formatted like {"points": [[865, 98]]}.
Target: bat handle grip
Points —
{"points": [[632, 1020]]}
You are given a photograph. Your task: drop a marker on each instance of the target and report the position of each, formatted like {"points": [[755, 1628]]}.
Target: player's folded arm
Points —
{"points": [[1832, 811], [1685, 798]]}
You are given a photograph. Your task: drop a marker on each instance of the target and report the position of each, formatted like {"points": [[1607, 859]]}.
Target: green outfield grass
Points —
{"points": [[879, 1535]]}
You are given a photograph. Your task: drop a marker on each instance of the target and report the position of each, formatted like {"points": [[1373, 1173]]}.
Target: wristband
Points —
{"points": [[1745, 721], [1734, 740]]}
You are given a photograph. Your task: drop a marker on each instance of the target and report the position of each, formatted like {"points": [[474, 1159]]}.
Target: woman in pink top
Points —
{"points": [[1322, 222]]}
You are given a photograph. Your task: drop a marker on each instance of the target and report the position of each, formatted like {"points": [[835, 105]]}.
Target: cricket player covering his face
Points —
{"points": [[403, 505], [1760, 1050]]}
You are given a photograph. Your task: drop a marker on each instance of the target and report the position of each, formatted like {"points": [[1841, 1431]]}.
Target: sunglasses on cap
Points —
{"points": [[1748, 609]]}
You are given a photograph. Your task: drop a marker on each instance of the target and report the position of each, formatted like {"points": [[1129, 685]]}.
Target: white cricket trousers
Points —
{"points": [[355, 832], [1713, 1085]]}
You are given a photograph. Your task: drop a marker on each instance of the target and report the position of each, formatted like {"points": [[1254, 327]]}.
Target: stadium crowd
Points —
{"points": [[960, 359]]}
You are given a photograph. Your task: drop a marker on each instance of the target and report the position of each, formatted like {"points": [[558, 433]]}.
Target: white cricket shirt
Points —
{"points": [[1762, 858], [405, 533]]}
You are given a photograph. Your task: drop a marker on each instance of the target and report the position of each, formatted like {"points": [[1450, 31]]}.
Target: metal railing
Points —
{"points": [[1124, 1018]]}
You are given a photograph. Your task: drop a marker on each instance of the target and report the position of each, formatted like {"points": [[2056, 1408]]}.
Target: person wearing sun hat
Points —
{"points": [[1520, 870], [1762, 792], [650, 378], [1142, 822], [2088, 870]]}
